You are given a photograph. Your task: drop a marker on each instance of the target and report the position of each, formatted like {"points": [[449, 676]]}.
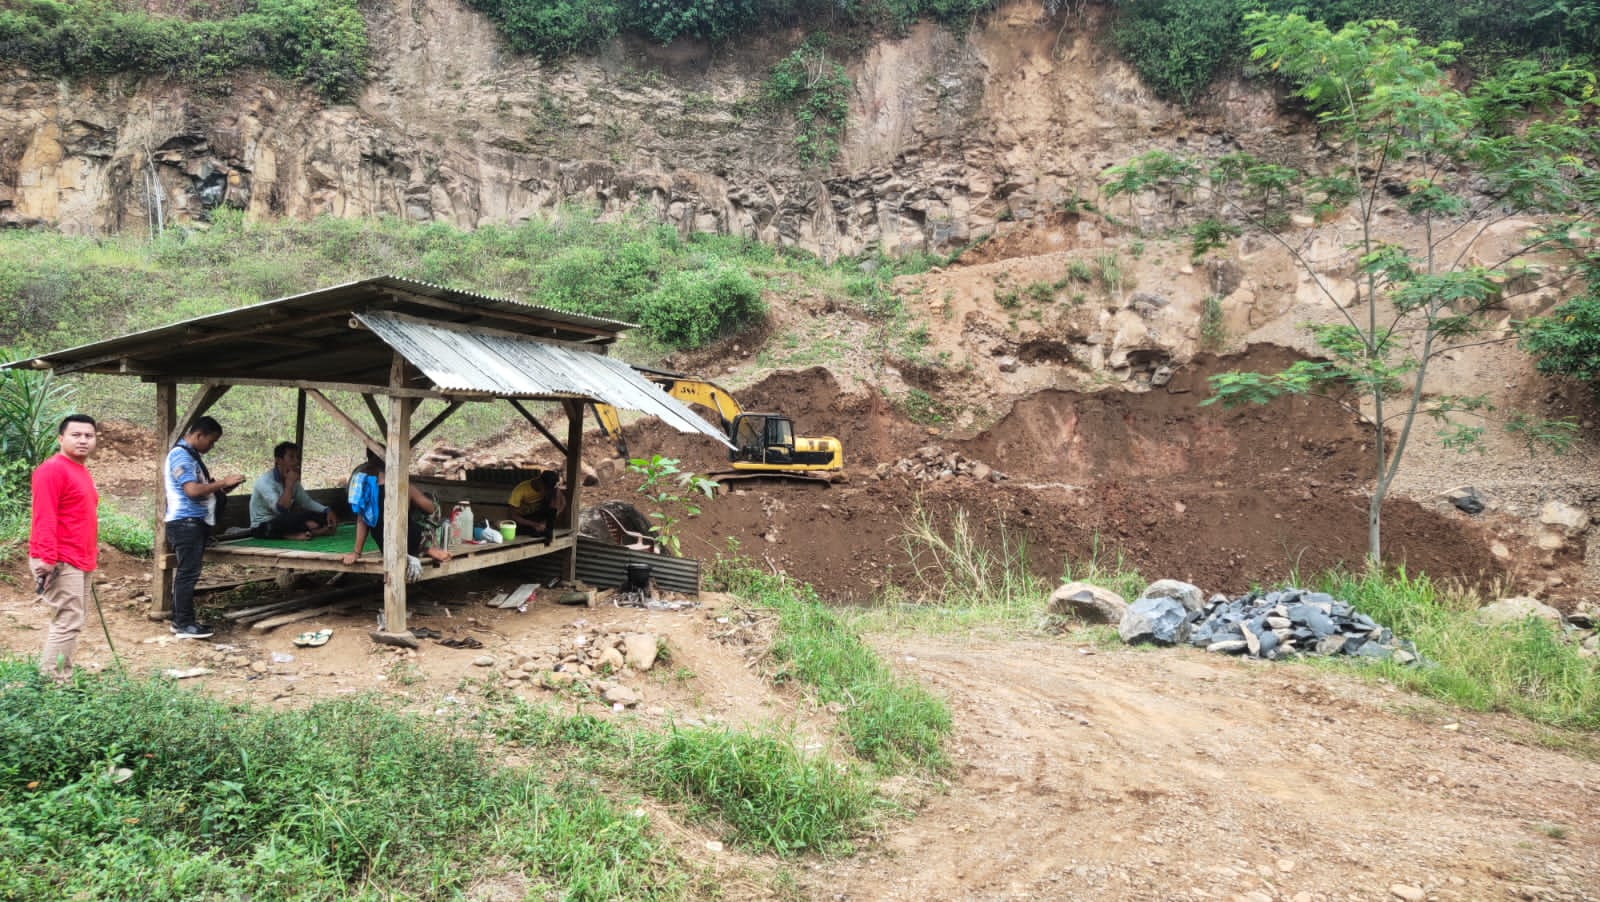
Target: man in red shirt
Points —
{"points": [[64, 540]]}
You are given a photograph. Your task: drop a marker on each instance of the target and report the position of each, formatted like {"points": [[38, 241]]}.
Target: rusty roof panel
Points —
{"points": [[504, 365]]}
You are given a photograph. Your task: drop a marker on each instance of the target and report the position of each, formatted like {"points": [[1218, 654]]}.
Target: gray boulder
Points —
{"points": [[1089, 603], [1163, 621], [1185, 594]]}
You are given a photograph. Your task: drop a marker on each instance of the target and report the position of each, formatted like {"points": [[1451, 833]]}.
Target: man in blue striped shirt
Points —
{"points": [[192, 501]]}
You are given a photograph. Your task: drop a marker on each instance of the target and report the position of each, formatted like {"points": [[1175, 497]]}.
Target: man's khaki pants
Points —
{"points": [[64, 596]]}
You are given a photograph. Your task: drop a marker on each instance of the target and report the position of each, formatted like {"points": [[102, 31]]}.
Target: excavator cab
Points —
{"points": [[766, 441], [762, 438]]}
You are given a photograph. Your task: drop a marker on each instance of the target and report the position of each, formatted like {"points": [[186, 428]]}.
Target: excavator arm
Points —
{"points": [[706, 394], [611, 425]]}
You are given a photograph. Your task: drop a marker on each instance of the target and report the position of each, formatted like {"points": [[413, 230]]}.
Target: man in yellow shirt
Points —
{"points": [[535, 503]]}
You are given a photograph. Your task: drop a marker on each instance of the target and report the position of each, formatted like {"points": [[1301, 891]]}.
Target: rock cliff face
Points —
{"points": [[946, 136]]}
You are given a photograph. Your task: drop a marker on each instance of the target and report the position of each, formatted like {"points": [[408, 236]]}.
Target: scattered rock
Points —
{"points": [[1565, 517], [1515, 610], [640, 650], [1160, 620], [1289, 621], [1466, 499], [1088, 602], [483, 661], [1185, 594], [1407, 892], [620, 695]]}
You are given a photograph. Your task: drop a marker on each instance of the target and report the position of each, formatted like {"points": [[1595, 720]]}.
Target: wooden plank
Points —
{"points": [[272, 623], [568, 517], [320, 386], [324, 595], [161, 579], [397, 501], [435, 423], [520, 551], [204, 398], [373, 445], [528, 415], [372, 408]]}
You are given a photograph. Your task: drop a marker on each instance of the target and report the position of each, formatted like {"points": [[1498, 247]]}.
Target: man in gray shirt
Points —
{"points": [[279, 505]]}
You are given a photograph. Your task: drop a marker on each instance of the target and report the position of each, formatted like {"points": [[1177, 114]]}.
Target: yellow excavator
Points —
{"points": [[764, 444]]}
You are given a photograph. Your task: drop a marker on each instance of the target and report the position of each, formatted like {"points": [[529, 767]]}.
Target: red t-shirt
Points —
{"points": [[66, 525]]}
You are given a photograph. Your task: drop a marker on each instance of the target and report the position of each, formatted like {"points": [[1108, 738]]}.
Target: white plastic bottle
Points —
{"points": [[463, 521]]}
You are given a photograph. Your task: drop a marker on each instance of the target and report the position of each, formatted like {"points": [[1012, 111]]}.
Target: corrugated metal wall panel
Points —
{"points": [[606, 567]]}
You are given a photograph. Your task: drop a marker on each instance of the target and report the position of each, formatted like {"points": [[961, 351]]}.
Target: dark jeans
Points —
{"points": [[288, 523], [186, 539], [413, 538], [545, 515]]}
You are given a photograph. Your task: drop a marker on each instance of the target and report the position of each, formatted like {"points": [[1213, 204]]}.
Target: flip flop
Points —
{"points": [[314, 638], [463, 642], [422, 632]]}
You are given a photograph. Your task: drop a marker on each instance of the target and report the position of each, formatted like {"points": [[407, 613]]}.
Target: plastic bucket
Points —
{"points": [[508, 529]]}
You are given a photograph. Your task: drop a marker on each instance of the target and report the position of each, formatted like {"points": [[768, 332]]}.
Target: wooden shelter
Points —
{"points": [[395, 343]]}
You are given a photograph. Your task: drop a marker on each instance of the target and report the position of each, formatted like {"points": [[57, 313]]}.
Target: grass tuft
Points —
{"points": [[1523, 668]]}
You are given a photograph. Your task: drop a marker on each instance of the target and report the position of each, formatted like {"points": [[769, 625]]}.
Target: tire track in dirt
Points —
{"points": [[1172, 775]]}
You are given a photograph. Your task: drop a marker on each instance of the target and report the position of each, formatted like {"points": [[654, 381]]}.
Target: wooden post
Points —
{"points": [[569, 517], [300, 421], [396, 501], [161, 578]]}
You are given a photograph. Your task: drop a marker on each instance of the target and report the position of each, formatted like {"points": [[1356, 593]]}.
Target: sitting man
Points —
{"points": [[366, 502], [535, 503], [279, 505]]}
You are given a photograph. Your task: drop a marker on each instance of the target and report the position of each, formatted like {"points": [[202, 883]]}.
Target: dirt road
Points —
{"points": [[1176, 775]]}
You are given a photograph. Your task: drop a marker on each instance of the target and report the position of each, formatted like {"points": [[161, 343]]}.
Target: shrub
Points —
{"points": [[553, 28], [1178, 45], [691, 308], [1567, 342]]}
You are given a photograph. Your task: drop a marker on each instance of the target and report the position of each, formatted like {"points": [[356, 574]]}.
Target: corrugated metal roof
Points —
{"points": [[506, 365]]}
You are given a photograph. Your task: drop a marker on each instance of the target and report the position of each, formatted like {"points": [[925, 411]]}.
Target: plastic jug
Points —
{"points": [[461, 521]]}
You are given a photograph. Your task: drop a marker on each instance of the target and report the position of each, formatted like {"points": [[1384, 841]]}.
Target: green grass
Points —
{"points": [[1523, 668], [350, 798], [886, 719]]}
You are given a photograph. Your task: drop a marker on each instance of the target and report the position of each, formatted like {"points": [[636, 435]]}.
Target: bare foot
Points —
{"points": [[438, 554], [299, 536]]}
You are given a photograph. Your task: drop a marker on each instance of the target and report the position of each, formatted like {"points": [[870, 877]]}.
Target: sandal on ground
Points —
{"points": [[313, 639], [463, 642], [422, 632]]}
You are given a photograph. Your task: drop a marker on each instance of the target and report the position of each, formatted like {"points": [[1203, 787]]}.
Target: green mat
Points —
{"points": [[340, 542]]}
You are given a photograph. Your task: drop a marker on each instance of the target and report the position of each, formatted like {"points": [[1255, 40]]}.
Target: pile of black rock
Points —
{"points": [[1260, 624]]}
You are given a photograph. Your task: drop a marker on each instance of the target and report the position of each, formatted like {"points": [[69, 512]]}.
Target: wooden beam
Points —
{"points": [[538, 425], [397, 503], [309, 384], [372, 444], [372, 408], [435, 423], [300, 421], [569, 517], [161, 578], [204, 398]]}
